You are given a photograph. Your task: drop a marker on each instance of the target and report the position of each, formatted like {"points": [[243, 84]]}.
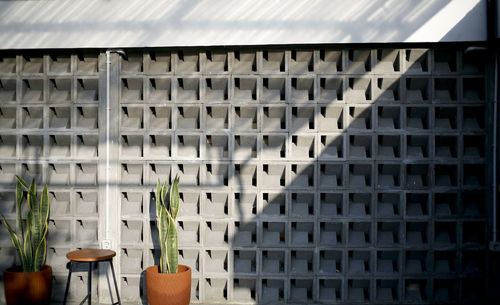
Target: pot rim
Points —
{"points": [[156, 269], [17, 269]]}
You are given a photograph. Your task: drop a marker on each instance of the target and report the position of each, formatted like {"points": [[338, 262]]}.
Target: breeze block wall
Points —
{"points": [[308, 175]]}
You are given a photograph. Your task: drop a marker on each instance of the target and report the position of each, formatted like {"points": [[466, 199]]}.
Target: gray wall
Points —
{"points": [[307, 175]]}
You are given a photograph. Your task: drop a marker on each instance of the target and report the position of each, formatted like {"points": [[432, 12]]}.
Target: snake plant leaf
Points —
{"points": [[40, 253], [23, 183], [19, 206], [28, 242], [15, 242], [163, 231], [172, 246], [44, 209], [158, 200], [164, 191], [174, 198]]}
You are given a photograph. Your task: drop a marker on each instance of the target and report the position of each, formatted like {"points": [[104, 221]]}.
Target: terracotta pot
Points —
{"points": [[168, 288], [28, 287]]}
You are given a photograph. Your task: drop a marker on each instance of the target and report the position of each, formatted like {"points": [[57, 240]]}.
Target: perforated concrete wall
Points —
{"points": [[336, 175]]}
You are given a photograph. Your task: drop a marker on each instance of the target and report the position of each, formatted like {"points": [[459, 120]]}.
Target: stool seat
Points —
{"points": [[90, 255]]}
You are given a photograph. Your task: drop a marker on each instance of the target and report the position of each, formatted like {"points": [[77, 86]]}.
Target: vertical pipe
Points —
{"points": [[108, 64], [495, 124]]}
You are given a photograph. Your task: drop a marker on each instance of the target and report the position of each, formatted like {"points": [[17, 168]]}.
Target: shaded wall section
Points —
{"points": [[350, 175]]}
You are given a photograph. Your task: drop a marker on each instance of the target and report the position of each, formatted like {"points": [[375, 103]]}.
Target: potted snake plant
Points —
{"points": [[168, 283], [31, 282]]}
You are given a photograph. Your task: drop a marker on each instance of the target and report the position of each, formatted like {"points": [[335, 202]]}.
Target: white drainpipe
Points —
{"points": [[107, 241]]}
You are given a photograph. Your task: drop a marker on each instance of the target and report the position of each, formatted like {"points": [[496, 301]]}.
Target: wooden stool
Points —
{"points": [[90, 256]]}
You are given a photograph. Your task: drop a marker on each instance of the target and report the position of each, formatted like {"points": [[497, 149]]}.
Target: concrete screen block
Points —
{"points": [[160, 118], [59, 174], [215, 289], [244, 205], [301, 62], [360, 147], [8, 203], [32, 117], [303, 119], [388, 205], [387, 61], [216, 117], [445, 61], [331, 90], [273, 61], [86, 174], [158, 62], [301, 261], [446, 205], [359, 262], [417, 204], [389, 117], [359, 90], [358, 290], [245, 147], [418, 90], [132, 146], [331, 234], [273, 234], [29, 171], [273, 175], [417, 118], [87, 146], [216, 89], [474, 147], [216, 62], [245, 175], [32, 65], [131, 260], [301, 290], [474, 90], [86, 63], [132, 174], [417, 234], [59, 146], [8, 90], [86, 203], [188, 118], [387, 90], [360, 175], [417, 60], [273, 204], [8, 146], [60, 90], [7, 64], [59, 232], [388, 262], [245, 89], [188, 61], [190, 203], [8, 117], [157, 171], [302, 233], [302, 204], [160, 90], [132, 90], [445, 90], [331, 147], [132, 118], [87, 90], [473, 203], [245, 118], [360, 204], [188, 89], [273, 147], [330, 61], [86, 117], [273, 90], [246, 234], [360, 234], [32, 146], [302, 89], [274, 118], [388, 234], [388, 175], [216, 261], [191, 258], [215, 233], [189, 174], [245, 62], [387, 290], [417, 146], [389, 147], [215, 205], [133, 63], [189, 233], [244, 289], [331, 174], [416, 290], [474, 118], [160, 146], [360, 118], [273, 290], [445, 118], [130, 288], [86, 232], [216, 147], [303, 147], [359, 61], [132, 204], [244, 261]]}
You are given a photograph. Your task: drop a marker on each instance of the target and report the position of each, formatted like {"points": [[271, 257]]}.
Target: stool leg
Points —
{"points": [[114, 280], [89, 287], [67, 282]]}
